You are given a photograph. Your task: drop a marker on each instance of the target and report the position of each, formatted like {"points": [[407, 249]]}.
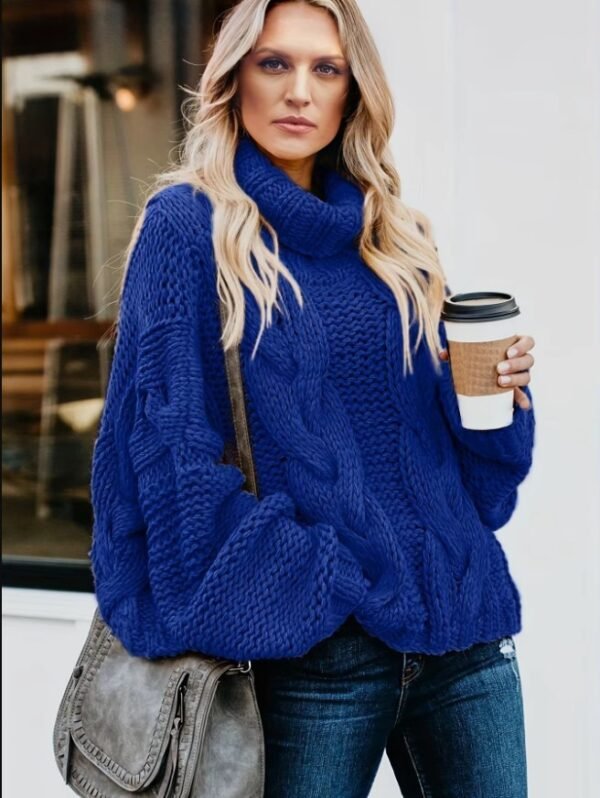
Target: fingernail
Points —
{"points": [[512, 352], [504, 380], [503, 366]]}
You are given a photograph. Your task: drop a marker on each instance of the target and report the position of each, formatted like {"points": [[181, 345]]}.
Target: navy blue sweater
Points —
{"points": [[373, 499]]}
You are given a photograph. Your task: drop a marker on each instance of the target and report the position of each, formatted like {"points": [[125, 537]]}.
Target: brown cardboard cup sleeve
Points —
{"points": [[474, 365]]}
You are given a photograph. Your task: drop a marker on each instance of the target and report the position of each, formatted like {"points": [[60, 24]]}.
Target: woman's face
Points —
{"points": [[297, 68]]}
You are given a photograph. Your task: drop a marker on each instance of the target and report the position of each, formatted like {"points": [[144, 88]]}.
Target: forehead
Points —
{"points": [[300, 29]]}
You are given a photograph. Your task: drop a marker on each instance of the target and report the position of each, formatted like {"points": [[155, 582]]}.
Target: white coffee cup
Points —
{"points": [[480, 327]]}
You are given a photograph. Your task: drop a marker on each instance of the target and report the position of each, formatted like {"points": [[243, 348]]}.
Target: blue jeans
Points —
{"points": [[452, 726]]}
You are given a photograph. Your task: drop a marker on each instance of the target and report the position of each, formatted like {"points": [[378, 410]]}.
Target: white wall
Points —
{"points": [[498, 140], [498, 124], [42, 634]]}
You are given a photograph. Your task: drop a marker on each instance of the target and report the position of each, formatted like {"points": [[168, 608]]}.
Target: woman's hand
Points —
{"points": [[515, 370]]}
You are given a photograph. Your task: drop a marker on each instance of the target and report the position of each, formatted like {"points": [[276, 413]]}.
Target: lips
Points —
{"points": [[295, 127], [300, 121]]}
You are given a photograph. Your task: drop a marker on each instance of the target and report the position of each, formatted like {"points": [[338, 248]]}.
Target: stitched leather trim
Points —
{"points": [[80, 721], [91, 747]]}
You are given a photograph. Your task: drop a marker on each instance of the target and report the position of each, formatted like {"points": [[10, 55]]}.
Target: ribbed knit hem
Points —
{"points": [[512, 444], [349, 588]]}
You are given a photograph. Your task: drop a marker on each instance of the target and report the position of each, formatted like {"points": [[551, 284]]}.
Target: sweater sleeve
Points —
{"points": [[183, 558], [493, 462]]}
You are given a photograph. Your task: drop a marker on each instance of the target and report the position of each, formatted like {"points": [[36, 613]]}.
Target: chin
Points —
{"points": [[288, 150]]}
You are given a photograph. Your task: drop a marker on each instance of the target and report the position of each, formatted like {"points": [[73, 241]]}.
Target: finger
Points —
{"points": [[520, 378], [522, 399], [516, 364], [443, 354], [524, 344]]}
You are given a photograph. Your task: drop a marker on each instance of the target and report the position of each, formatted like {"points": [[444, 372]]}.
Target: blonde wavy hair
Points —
{"points": [[396, 241]]}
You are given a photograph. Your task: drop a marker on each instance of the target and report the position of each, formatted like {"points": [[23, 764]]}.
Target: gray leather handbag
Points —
{"points": [[175, 727]]}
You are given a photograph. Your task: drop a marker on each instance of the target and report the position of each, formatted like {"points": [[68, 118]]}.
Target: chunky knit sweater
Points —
{"points": [[373, 500]]}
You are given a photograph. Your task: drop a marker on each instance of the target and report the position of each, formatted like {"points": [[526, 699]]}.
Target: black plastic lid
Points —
{"points": [[500, 306]]}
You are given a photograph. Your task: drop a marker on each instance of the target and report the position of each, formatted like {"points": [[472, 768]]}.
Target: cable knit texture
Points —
{"points": [[373, 499]]}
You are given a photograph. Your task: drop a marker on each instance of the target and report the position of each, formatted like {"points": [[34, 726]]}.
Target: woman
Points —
{"points": [[365, 582]]}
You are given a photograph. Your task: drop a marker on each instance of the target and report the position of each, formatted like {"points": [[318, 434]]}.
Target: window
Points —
{"points": [[91, 111]]}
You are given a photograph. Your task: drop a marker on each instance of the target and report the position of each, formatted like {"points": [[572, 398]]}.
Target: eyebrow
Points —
{"points": [[287, 55]]}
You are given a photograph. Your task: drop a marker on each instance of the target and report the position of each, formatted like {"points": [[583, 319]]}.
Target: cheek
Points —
{"points": [[332, 102], [256, 95]]}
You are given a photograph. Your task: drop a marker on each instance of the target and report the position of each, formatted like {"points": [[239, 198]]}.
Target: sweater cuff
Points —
{"points": [[512, 444], [349, 588]]}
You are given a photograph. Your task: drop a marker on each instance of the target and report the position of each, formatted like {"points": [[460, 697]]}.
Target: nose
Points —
{"points": [[298, 88]]}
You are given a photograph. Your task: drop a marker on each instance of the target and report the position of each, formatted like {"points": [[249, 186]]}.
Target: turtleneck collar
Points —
{"points": [[304, 222]]}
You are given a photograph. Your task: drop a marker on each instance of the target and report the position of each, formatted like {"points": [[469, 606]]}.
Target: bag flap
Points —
{"points": [[123, 711]]}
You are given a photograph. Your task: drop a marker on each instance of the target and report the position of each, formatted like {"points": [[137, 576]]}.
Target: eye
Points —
{"points": [[268, 62], [334, 70]]}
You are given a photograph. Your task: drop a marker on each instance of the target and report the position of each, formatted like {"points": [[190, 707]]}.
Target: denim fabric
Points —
{"points": [[452, 725]]}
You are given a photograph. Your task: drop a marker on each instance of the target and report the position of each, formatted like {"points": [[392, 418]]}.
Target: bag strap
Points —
{"points": [[244, 458]]}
